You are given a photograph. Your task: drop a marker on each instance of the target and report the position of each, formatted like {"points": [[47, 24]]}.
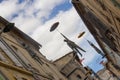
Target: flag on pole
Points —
{"points": [[81, 60]]}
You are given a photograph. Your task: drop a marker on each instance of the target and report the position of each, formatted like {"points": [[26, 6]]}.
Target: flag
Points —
{"points": [[102, 62], [81, 60]]}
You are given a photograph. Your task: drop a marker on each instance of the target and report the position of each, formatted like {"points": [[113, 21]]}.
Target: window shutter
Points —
{"points": [[19, 53], [8, 52], [3, 58], [23, 57]]}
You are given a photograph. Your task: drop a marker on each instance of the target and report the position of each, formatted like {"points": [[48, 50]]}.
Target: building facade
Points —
{"points": [[102, 19], [20, 58], [105, 74], [71, 67]]}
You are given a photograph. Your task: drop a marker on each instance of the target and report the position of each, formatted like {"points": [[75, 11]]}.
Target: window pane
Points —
{"points": [[79, 77], [9, 53]]}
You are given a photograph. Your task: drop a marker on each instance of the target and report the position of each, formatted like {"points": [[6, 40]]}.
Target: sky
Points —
{"points": [[35, 17]]}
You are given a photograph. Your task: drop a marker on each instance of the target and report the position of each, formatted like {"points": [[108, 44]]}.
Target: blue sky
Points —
{"points": [[35, 17], [63, 7]]}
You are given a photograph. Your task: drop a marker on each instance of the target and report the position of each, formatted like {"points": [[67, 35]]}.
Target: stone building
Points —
{"points": [[105, 74], [20, 58], [71, 67], [102, 19]]}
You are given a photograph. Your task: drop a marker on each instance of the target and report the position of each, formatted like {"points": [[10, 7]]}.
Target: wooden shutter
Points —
{"points": [[3, 58], [22, 57], [10, 54]]}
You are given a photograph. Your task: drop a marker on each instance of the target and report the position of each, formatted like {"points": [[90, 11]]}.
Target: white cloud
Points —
{"points": [[30, 14], [7, 8], [71, 26], [30, 19], [46, 7]]}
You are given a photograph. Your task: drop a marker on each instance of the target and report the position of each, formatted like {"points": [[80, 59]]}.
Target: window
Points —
{"points": [[17, 77], [108, 19], [118, 19], [116, 3], [86, 78], [32, 53], [24, 61], [2, 58], [79, 77], [24, 79], [86, 68], [9, 52], [101, 4]]}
